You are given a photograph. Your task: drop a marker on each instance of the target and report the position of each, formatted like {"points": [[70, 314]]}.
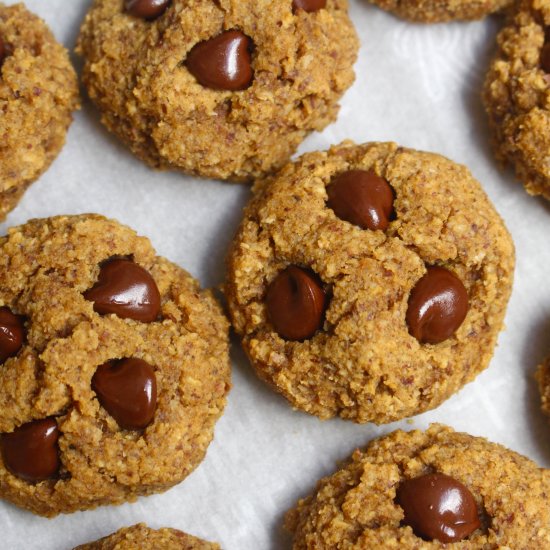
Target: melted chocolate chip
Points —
{"points": [[12, 334], [308, 5], [362, 198], [438, 507], [223, 62], [438, 305], [127, 290], [146, 9], [127, 389], [296, 303], [30, 451], [545, 58]]}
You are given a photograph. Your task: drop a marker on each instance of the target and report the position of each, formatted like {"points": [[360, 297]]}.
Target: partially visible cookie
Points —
{"points": [[38, 93], [424, 491], [369, 281], [436, 11], [114, 366], [543, 379], [141, 537], [517, 95]]}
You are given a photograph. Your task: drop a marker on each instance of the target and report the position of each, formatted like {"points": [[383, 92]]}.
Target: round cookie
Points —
{"points": [[517, 95], [224, 89], [436, 11], [142, 537], [38, 92], [365, 504], [332, 314], [114, 366], [543, 379]]}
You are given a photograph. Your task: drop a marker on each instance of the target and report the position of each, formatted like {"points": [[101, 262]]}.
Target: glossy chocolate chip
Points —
{"points": [[438, 305], [127, 290], [308, 5], [296, 303], [223, 62], [362, 198], [438, 507], [30, 451], [12, 334], [127, 389], [146, 9]]}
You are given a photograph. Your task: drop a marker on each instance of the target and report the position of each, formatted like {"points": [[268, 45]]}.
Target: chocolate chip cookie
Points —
{"points": [[517, 95], [38, 93], [142, 537], [369, 281], [427, 490], [436, 11], [543, 379], [114, 366], [223, 89]]}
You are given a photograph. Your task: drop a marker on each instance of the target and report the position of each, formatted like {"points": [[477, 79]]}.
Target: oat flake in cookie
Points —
{"points": [[369, 281], [38, 93], [224, 89], [114, 366], [517, 95], [466, 490]]}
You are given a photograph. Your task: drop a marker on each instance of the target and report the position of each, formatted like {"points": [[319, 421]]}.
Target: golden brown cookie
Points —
{"points": [[517, 95], [114, 366], [476, 492], [543, 379], [374, 322], [436, 11], [38, 93], [224, 89], [141, 537]]}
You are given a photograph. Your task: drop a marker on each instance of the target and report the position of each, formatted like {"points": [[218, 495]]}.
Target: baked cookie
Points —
{"points": [[38, 93], [382, 316], [114, 366], [436, 11], [224, 89], [141, 537], [517, 95], [420, 490], [543, 379]]}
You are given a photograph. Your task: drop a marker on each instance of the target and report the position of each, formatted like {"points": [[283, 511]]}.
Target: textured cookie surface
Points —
{"points": [[38, 92], [543, 379], [45, 268], [363, 364], [135, 71], [356, 508], [517, 95], [143, 538]]}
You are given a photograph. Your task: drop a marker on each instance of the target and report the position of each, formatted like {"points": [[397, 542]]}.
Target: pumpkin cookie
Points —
{"points": [[38, 93], [517, 95], [369, 281], [114, 366], [142, 537], [425, 490], [224, 89]]}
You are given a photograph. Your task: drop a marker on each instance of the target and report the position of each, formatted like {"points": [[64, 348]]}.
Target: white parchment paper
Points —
{"points": [[418, 85]]}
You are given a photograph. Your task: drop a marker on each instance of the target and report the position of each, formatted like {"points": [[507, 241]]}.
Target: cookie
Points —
{"points": [[382, 316], [224, 89], [38, 93], [144, 538], [543, 379], [437, 11], [426, 490], [114, 366], [517, 95]]}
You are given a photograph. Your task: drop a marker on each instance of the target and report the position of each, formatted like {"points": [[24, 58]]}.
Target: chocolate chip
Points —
{"points": [[30, 451], [146, 9], [12, 334], [127, 389], [545, 58], [308, 5], [438, 305], [127, 290], [2, 51], [438, 507], [223, 62], [361, 198], [296, 303]]}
